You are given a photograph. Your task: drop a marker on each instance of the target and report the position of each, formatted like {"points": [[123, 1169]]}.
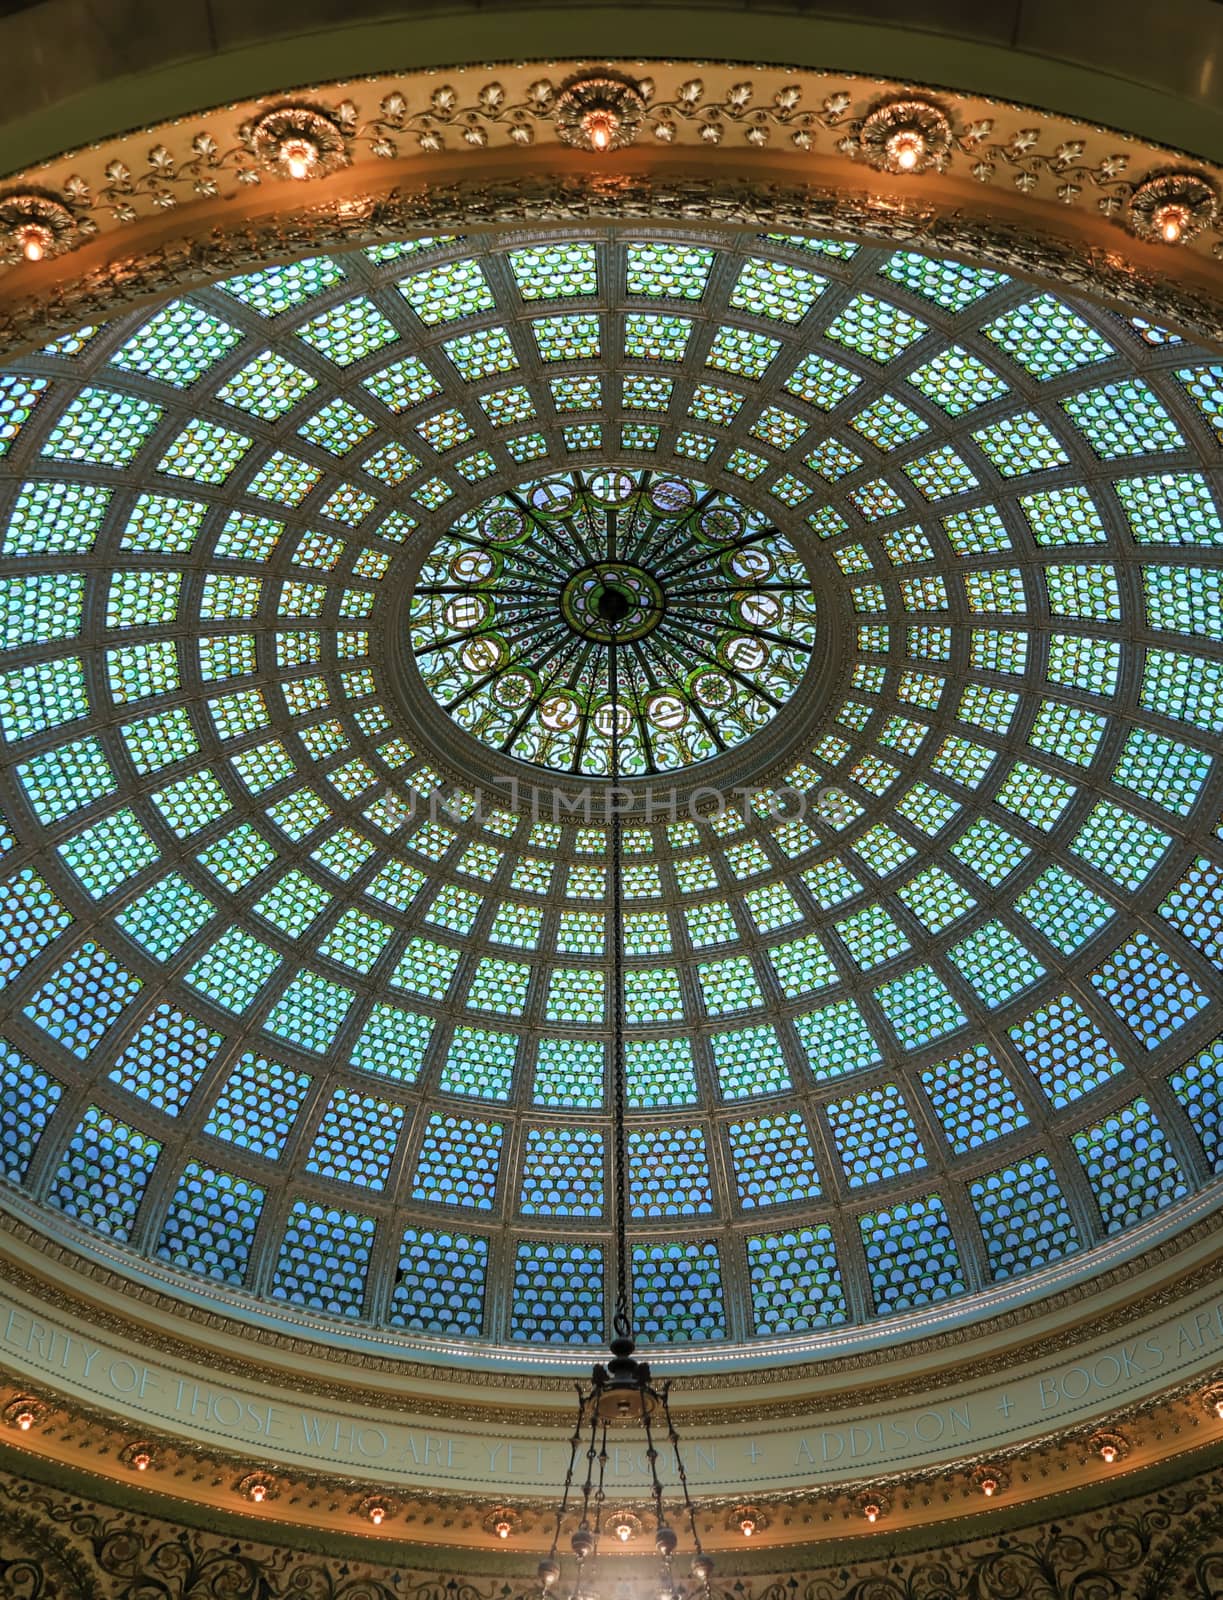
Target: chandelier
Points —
{"points": [[622, 1391]]}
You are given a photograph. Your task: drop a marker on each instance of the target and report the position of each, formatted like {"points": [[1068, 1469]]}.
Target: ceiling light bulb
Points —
{"points": [[871, 1511], [989, 1486], [258, 1492], [1219, 1408], [906, 148], [747, 1527], [623, 1532], [300, 156], [376, 1514], [502, 1529], [600, 124], [142, 1461], [34, 240], [1109, 1453], [25, 1420], [1170, 219]]}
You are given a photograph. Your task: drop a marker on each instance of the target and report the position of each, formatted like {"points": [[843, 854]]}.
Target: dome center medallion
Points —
{"points": [[613, 600]]}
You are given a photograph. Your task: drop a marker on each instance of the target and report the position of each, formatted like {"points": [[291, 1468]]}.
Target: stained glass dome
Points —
{"points": [[305, 1016], [718, 621]]}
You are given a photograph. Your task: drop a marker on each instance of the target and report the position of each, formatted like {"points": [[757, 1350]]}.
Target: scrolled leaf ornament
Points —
{"points": [[38, 1563]]}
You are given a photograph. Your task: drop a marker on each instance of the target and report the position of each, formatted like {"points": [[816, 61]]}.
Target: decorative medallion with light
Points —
{"points": [[1173, 207], [908, 135], [601, 111], [24, 1413], [35, 225], [299, 141]]}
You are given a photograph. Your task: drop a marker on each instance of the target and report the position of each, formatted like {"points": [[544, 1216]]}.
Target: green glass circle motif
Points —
{"points": [[517, 607]]}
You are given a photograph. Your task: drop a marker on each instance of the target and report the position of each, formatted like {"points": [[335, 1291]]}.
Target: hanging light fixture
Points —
{"points": [[621, 1392]]}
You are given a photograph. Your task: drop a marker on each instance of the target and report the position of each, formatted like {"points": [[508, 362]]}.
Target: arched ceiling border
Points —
{"points": [[200, 1483], [176, 205], [1153, 78], [67, 1279]]}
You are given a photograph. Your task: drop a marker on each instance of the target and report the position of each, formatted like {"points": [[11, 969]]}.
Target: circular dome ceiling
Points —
{"points": [[920, 1015], [715, 628]]}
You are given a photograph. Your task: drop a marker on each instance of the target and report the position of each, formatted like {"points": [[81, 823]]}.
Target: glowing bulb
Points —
{"points": [[1219, 1408], [747, 1527], [989, 1486], [25, 1420], [300, 156], [376, 1514], [1109, 1453], [906, 148], [34, 240], [259, 1492], [623, 1532], [1170, 220], [142, 1461], [599, 125], [502, 1529], [871, 1512]]}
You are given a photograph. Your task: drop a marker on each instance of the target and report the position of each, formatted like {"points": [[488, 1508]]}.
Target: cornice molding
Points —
{"points": [[810, 1538], [170, 206]]}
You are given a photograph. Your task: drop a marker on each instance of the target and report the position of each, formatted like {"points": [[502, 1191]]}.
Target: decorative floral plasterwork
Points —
{"points": [[38, 312], [1163, 1544], [839, 117], [71, 1437]]}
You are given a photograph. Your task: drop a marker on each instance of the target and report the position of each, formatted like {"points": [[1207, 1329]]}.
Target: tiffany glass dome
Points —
{"points": [[714, 631], [306, 922]]}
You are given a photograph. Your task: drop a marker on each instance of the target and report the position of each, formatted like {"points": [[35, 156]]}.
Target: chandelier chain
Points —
{"points": [[563, 1505], [622, 1390], [651, 1455], [622, 1325]]}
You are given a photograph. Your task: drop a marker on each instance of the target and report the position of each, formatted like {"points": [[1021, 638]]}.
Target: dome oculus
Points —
{"points": [[516, 607]]}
